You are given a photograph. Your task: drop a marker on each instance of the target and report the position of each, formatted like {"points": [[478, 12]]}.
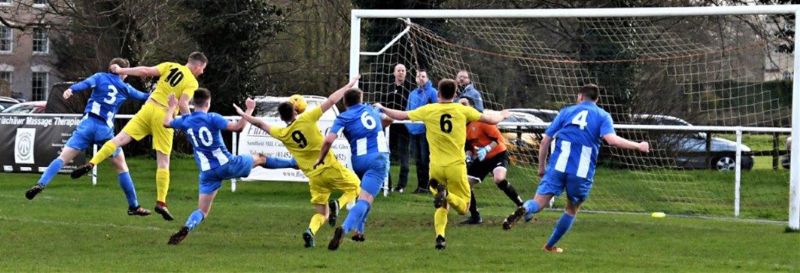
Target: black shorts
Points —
{"points": [[480, 169]]}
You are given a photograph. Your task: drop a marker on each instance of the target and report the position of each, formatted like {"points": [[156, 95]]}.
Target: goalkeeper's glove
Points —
{"points": [[482, 152]]}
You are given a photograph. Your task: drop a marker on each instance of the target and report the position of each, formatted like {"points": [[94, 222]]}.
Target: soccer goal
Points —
{"points": [[709, 87]]}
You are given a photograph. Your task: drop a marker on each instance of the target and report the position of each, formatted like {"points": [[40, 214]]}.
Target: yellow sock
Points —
{"points": [[347, 198], [107, 150], [316, 221], [460, 204], [162, 184], [440, 221]]}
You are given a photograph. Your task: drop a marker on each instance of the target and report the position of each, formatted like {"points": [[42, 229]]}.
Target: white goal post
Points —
{"points": [[356, 54]]}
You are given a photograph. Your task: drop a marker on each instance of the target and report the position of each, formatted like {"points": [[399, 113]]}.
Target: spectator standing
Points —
{"points": [[424, 94], [468, 90], [397, 98]]}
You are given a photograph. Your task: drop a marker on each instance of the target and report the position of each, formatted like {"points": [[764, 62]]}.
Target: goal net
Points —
{"points": [[685, 92]]}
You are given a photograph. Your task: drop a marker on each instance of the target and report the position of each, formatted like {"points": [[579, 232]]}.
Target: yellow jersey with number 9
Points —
{"points": [[304, 141], [445, 130], [175, 79]]}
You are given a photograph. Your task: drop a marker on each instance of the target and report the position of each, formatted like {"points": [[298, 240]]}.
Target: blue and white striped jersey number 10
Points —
{"points": [[206, 148]]}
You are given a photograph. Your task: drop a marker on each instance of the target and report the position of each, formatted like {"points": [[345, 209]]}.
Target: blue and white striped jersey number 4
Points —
{"points": [[578, 131]]}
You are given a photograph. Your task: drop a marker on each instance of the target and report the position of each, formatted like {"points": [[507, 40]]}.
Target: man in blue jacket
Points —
{"points": [[424, 94]]}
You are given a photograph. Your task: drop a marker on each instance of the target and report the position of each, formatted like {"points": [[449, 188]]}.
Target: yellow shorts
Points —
{"points": [[329, 179], [150, 121], [453, 177]]}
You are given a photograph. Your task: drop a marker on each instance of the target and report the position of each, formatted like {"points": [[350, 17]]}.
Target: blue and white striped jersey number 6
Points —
{"points": [[367, 121], [205, 136], [112, 97]]}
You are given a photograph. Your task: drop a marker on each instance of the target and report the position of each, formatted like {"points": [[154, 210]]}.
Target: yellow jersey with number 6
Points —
{"points": [[175, 79], [445, 129]]}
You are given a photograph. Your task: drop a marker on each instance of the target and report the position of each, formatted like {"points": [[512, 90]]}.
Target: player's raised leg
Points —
{"points": [[67, 154], [109, 147], [273, 162]]}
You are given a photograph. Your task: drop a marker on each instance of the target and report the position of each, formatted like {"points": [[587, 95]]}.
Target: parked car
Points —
{"points": [[545, 115], [30, 107], [6, 102], [522, 141], [689, 148]]}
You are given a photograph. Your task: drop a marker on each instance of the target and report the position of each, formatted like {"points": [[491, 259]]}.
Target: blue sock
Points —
{"points": [[280, 163], [360, 227], [194, 219], [561, 227], [355, 215], [531, 208], [126, 183], [51, 171]]}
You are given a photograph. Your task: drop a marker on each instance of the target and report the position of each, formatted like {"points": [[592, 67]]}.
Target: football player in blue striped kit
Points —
{"points": [[96, 127], [212, 157], [362, 125], [577, 131]]}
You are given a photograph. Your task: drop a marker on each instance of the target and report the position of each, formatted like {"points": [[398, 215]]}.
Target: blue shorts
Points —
{"points": [[372, 170], [238, 166], [91, 131], [554, 182]]}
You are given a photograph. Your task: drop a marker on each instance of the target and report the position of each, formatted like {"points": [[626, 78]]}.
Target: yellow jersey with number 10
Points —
{"points": [[175, 79], [445, 130]]}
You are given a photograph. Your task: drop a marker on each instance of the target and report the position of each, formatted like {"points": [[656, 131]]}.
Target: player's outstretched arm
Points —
{"points": [[621, 142], [386, 120], [80, 86], [139, 71], [172, 105], [251, 119], [544, 151], [239, 125], [326, 146], [494, 117], [391, 113], [338, 94], [136, 94]]}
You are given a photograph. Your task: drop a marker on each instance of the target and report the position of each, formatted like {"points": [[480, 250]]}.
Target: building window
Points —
{"points": [[39, 86], [6, 39], [40, 40], [5, 2], [6, 77], [39, 3]]}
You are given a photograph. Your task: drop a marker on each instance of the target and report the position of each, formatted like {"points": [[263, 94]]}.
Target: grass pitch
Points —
{"points": [[75, 227]]}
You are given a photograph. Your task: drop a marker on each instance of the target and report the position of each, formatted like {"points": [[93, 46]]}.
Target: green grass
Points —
{"points": [[75, 227]]}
